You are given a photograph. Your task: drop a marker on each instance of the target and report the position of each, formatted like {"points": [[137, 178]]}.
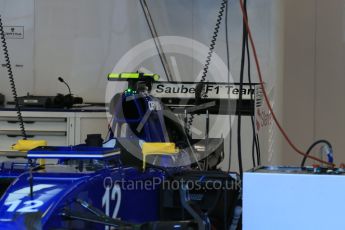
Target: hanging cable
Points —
{"points": [[255, 140], [240, 100], [256, 58], [11, 78], [229, 75], [255, 143], [212, 46], [312, 147], [259, 149], [253, 152], [156, 40]]}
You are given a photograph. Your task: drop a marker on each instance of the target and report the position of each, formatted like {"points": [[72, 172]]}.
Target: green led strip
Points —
{"points": [[155, 77]]}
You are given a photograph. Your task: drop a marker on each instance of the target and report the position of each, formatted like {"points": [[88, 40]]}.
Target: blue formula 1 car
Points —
{"points": [[150, 175]]}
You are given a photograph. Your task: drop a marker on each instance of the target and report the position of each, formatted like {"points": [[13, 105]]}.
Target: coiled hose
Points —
{"points": [[11, 77], [199, 87]]}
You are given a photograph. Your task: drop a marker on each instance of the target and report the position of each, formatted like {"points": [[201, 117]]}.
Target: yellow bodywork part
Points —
{"points": [[26, 145], [163, 149]]}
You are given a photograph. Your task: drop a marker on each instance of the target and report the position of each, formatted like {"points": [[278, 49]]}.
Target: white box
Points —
{"points": [[292, 200]]}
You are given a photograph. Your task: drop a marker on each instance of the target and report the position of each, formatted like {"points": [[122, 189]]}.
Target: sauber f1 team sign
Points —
{"points": [[210, 91]]}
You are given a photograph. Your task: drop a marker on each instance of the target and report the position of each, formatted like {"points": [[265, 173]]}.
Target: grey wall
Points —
{"points": [[330, 74], [315, 75], [299, 77]]}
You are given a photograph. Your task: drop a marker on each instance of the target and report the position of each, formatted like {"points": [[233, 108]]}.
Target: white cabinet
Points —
{"points": [[58, 128]]}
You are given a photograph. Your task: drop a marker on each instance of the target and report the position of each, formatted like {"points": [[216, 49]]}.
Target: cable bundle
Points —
{"points": [[212, 46], [11, 77]]}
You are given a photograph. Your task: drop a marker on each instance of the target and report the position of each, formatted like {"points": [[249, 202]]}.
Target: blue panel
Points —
{"points": [[79, 152]]}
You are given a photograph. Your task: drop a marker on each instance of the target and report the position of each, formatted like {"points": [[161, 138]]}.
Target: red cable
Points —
{"points": [[265, 93]]}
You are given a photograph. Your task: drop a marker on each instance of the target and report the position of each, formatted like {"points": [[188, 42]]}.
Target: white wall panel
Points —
{"points": [[18, 13]]}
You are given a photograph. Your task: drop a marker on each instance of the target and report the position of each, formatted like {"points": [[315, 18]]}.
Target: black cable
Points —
{"points": [[213, 41], [255, 144], [206, 67], [259, 149], [155, 38], [11, 78], [311, 148], [225, 211], [239, 123], [253, 151], [229, 72]]}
